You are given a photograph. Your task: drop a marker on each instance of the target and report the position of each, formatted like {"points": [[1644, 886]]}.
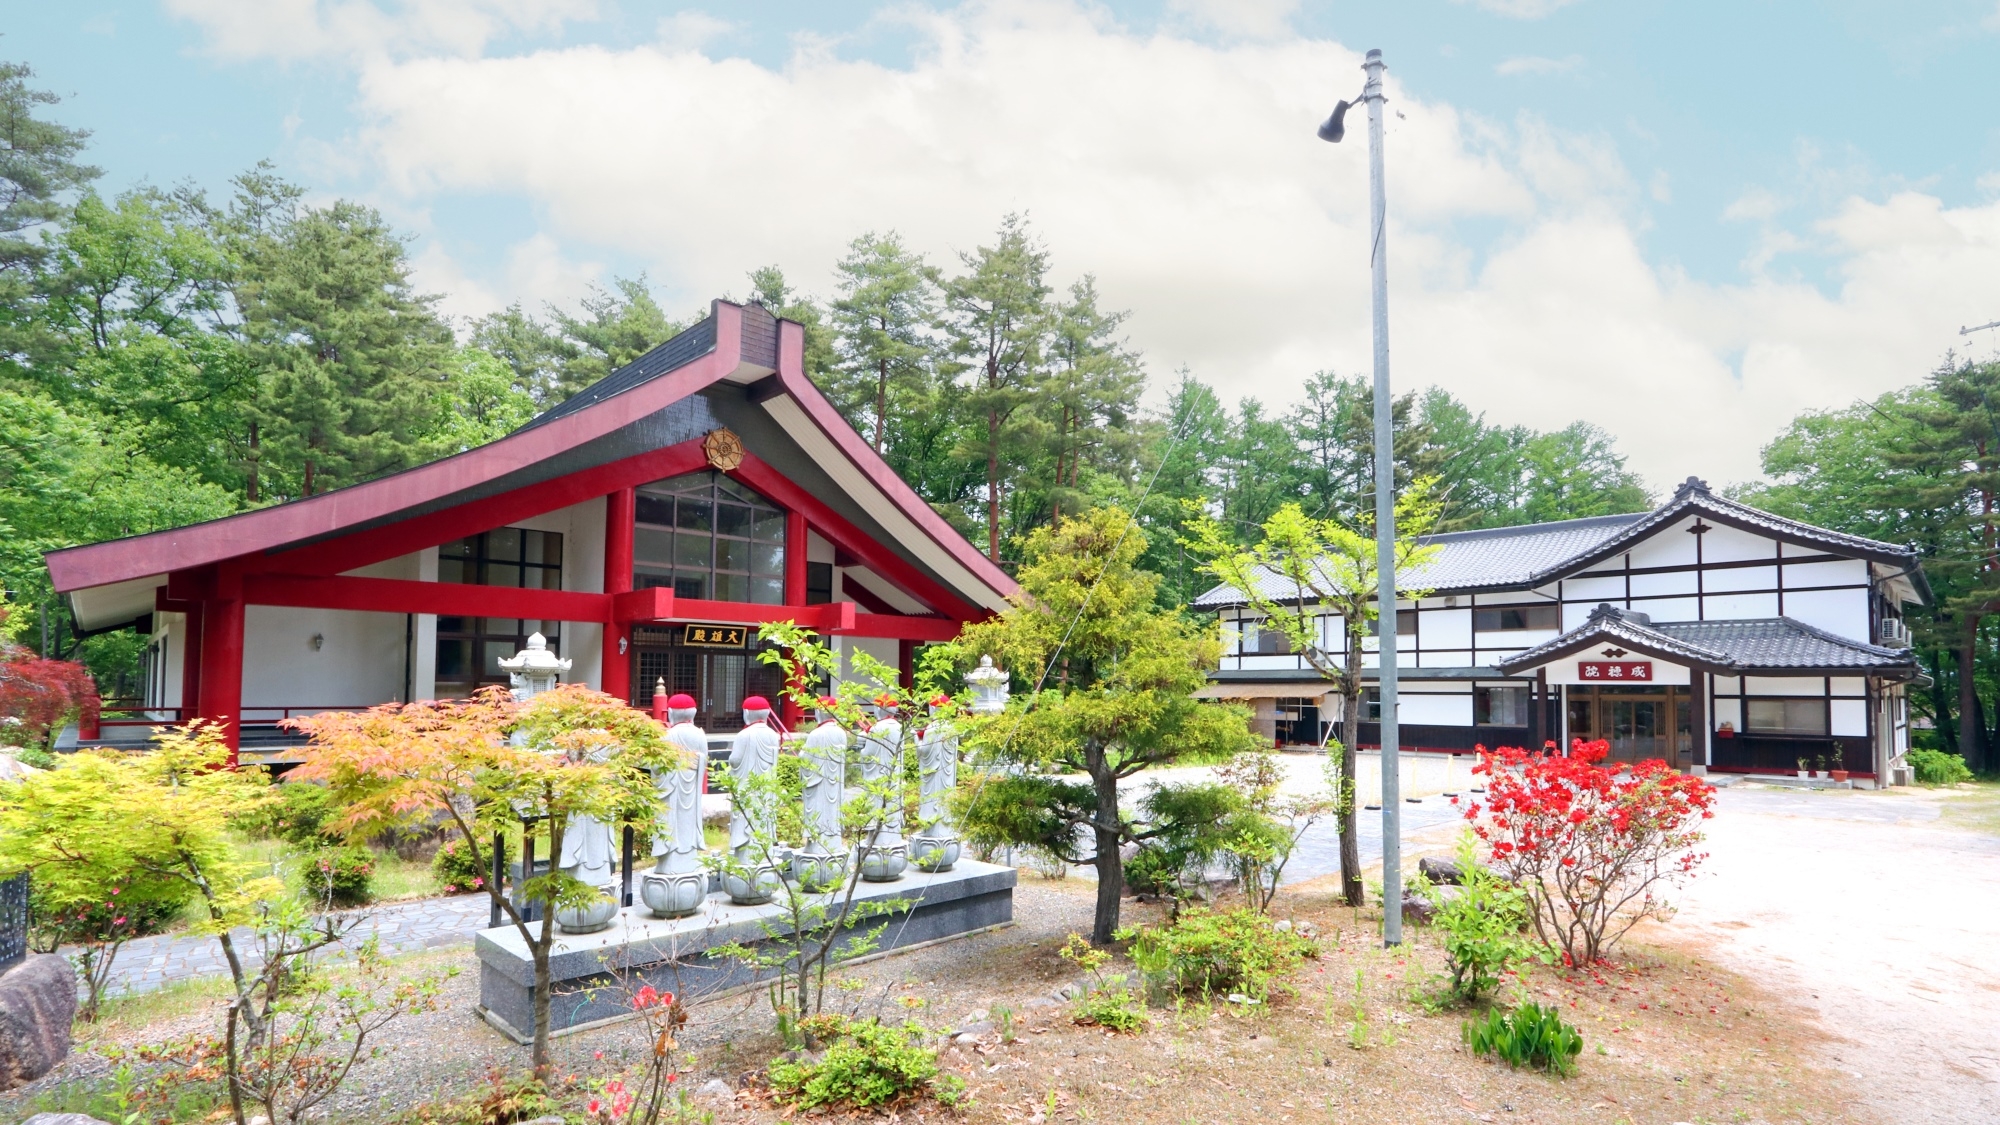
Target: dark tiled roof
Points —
{"points": [[1465, 560], [680, 350], [1763, 645], [1519, 558]]}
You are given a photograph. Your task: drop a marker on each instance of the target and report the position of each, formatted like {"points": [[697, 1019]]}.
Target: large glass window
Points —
{"points": [[706, 536], [1500, 706], [1406, 624], [1260, 639], [469, 649], [1785, 716]]}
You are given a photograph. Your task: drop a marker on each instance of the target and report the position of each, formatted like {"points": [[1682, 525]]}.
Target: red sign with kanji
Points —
{"points": [[1640, 671]]}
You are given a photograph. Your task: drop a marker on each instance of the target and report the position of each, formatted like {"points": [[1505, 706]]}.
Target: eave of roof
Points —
{"points": [[1717, 651]]}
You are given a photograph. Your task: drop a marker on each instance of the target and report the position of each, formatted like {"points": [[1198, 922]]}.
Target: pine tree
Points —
{"points": [[38, 168], [884, 335], [999, 324], [1089, 407]]}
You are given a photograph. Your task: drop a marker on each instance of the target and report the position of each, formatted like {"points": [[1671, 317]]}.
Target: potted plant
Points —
{"points": [[1834, 763], [1805, 769]]}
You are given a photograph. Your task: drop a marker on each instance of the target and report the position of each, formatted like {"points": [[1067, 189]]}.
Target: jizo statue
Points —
{"points": [[589, 853], [753, 816], [884, 857], [678, 885], [935, 845], [823, 769]]}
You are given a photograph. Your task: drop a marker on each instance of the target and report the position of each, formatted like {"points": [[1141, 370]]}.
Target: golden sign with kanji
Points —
{"points": [[700, 635], [724, 449]]}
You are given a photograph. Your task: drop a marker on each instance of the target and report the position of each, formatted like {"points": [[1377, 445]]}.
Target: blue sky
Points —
{"points": [[1699, 157]]}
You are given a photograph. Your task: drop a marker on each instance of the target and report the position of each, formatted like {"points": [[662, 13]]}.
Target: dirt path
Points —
{"points": [[1873, 912]]}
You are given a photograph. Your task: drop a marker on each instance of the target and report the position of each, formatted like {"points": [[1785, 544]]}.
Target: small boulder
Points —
{"points": [[715, 1089], [63, 1119], [1444, 872], [37, 1004]]}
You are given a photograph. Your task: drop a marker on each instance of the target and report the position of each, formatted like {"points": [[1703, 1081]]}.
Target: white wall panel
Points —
{"points": [[1672, 582], [1669, 546], [1840, 612], [1670, 609], [1594, 589], [360, 660], [1849, 717], [1446, 628], [1740, 578], [1784, 685], [1445, 658], [1845, 572], [1849, 685], [1726, 544], [1739, 607], [1436, 710], [1729, 711]]}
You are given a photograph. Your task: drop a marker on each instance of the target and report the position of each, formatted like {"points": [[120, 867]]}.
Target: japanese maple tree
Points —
{"points": [[1592, 845], [38, 695]]}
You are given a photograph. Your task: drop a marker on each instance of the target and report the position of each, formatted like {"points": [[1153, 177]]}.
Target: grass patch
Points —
{"points": [[1975, 806], [129, 1012]]}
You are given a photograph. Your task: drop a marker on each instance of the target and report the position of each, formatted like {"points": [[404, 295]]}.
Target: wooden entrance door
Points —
{"points": [[1639, 723]]}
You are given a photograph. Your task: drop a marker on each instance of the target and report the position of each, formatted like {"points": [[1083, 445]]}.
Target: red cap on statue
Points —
{"points": [[681, 702], [756, 703]]}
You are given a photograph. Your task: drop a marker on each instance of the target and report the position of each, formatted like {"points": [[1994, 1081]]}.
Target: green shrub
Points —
{"points": [[338, 875], [300, 813], [1106, 1002], [1219, 952], [35, 757], [1481, 925], [457, 871], [1533, 1036], [866, 1064], [1936, 767]]}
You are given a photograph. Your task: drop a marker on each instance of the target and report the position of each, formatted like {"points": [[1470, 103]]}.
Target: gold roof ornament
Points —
{"points": [[724, 449]]}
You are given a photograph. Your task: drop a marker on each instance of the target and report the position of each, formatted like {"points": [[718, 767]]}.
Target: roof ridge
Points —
{"points": [[1579, 523]]}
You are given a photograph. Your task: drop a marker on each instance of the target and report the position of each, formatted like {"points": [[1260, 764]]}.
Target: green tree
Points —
{"points": [[1120, 673], [769, 289], [615, 327], [998, 324], [38, 167], [1575, 472], [1088, 409], [478, 402], [884, 323], [349, 353], [1301, 572], [1187, 449]]}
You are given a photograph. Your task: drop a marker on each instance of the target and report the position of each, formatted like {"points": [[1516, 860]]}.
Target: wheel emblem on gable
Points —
{"points": [[724, 449]]}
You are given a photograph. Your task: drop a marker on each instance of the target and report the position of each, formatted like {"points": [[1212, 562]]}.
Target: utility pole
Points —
{"points": [[1385, 501]]}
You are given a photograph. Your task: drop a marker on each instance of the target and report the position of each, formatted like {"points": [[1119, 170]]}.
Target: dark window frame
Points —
{"points": [[484, 555], [1515, 618], [703, 524]]}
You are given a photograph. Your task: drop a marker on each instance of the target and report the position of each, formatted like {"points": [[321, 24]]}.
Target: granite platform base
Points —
{"points": [[593, 976]]}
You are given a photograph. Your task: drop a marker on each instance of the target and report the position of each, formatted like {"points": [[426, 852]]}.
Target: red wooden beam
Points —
{"points": [[654, 603], [759, 475], [401, 595], [221, 687], [819, 618], [903, 628]]}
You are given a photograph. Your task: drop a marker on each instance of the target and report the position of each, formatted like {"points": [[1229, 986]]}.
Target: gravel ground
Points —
{"points": [[1879, 920]]}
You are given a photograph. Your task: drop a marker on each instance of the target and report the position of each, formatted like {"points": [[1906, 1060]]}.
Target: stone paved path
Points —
{"points": [[403, 927]]}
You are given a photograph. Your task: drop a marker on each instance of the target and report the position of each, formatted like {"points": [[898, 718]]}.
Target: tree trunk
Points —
{"points": [[1350, 796], [1110, 865], [250, 475], [993, 485], [1971, 728], [881, 401]]}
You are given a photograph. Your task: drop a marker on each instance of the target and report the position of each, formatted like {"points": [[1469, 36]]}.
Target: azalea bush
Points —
{"points": [[1593, 846], [654, 1097]]}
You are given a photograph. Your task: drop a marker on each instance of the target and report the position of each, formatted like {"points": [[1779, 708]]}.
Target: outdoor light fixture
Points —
{"points": [[623, 644], [1335, 127], [318, 642]]}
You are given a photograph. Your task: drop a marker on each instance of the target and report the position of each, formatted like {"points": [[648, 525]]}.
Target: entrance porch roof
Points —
{"points": [[1768, 646]]}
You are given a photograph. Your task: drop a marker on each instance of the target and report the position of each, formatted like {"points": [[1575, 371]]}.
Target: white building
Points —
{"points": [[1706, 632]]}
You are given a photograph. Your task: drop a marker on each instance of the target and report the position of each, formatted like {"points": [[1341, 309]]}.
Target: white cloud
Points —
{"points": [[691, 31], [1536, 64], [304, 29], [1186, 177], [1755, 205], [1258, 19], [1522, 9]]}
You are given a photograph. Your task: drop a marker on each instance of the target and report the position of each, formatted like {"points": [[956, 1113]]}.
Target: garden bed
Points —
{"points": [[1667, 1038]]}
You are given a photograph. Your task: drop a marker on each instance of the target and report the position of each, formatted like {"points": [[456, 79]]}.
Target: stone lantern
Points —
{"points": [[989, 688], [534, 669]]}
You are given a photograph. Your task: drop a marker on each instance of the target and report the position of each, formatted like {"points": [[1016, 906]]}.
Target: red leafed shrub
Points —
{"points": [[38, 695], [1592, 845]]}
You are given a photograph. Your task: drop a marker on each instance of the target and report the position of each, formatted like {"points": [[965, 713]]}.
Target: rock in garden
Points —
{"points": [[63, 1119], [37, 1003], [1440, 870], [975, 1029], [551, 1119], [715, 1089], [1418, 909]]}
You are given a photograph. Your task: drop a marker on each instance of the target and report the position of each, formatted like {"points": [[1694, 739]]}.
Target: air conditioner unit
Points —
{"points": [[1894, 633]]}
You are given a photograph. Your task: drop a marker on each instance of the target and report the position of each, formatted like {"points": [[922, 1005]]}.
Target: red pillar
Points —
{"points": [[906, 664], [221, 689], [618, 517], [796, 537], [191, 664]]}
